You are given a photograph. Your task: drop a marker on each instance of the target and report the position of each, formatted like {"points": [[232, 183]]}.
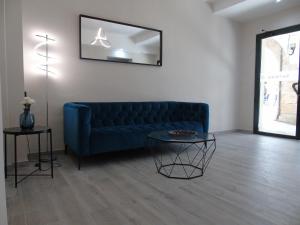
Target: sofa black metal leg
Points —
{"points": [[66, 149], [79, 162]]}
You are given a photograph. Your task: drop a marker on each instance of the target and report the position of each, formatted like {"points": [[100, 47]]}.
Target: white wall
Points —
{"points": [[3, 212], [200, 55], [12, 81], [248, 38]]}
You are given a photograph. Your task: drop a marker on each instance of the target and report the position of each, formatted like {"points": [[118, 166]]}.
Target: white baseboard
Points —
{"points": [[233, 131]]}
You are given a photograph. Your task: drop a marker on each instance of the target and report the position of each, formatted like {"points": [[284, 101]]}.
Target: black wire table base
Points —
{"points": [[182, 160]]}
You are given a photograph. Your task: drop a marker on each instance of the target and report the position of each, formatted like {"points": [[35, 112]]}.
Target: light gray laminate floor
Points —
{"points": [[251, 180]]}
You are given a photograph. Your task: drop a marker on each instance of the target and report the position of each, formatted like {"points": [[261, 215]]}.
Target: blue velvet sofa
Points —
{"points": [[93, 128]]}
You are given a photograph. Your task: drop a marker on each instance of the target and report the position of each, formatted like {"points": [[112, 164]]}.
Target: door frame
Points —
{"points": [[259, 39]]}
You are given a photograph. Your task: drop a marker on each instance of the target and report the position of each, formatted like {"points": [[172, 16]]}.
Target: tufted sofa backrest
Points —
{"points": [[138, 113]]}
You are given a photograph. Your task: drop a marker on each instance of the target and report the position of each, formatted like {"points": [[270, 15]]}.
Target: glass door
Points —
{"points": [[277, 77]]}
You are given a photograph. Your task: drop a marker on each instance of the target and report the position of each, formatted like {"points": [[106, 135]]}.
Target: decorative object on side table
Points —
{"points": [[182, 133], [27, 119]]}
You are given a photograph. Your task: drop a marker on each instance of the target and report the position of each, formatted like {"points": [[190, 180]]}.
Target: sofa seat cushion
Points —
{"points": [[104, 139], [147, 128]]}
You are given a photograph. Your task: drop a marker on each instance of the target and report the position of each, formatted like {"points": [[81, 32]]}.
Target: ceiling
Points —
{"points": [[247, 10]]}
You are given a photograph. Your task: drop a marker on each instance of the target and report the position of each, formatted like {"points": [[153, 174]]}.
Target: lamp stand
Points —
{"points": [[45, 67]]}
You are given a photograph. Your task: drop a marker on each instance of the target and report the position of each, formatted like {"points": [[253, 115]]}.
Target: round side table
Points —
{"points": [[17, 131]]}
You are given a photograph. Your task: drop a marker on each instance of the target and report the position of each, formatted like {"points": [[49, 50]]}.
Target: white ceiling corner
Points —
{"points": [[247, 10]]}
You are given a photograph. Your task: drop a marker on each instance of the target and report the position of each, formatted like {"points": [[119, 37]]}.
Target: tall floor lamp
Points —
{"points": [[45, 67]]}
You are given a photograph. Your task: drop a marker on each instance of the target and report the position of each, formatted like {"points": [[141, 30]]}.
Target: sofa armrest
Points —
{"points": [[204, 116], [201, 114], [77, 128]]}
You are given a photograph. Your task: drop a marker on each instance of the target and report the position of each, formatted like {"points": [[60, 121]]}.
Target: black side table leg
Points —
{"points": [[51, 153], [39, 146], [66, 149], [5, 155], [16, 166], [79, 162]]}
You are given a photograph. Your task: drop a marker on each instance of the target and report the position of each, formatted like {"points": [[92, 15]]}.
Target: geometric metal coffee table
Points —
{"points": [[181, 157]]}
